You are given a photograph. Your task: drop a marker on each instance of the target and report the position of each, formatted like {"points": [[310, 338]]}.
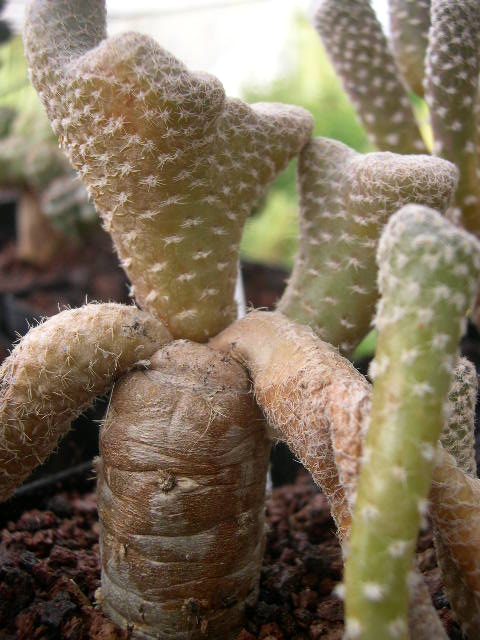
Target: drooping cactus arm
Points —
{"points": [[57, 370], [355, 42], [305, 388], [346, 198], [452, 71], [173, 165], [409, 25], [455, 499], [312, 396], [428, 278]]}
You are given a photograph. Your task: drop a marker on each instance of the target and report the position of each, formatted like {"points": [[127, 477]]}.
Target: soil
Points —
{"points": [[50, 570]]}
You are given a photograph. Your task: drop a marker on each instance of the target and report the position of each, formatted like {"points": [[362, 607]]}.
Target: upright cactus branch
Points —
{"points": [[346, 198], [359, 51], [57, 370], [452, 70], [428, 279], [458, 435], [172, 164], [409, 26]]}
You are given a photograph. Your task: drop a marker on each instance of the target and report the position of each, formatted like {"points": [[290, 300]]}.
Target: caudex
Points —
{"points": [[174, 167]]}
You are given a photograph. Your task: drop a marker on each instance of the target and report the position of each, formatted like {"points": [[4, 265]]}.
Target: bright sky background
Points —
{"points": [[239, 41]]}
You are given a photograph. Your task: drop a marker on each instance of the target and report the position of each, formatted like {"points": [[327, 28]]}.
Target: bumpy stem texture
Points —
{"points": [[455, 497], [458, 435], [428, 279], [57, 370], [409, 26], [359, 51], [452, 70], [173, 165], [346, 198], [181, 496], [454, 527], [305, 388], [312, 397]]}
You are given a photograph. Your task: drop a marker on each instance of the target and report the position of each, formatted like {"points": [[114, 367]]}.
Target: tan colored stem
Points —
{"points": [[455, 497], [181, 496], [306, 390], [37, 240], [57, 370], [312, 396]]}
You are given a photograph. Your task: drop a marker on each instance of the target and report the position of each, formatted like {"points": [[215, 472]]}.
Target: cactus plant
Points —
{"points": [[346, 198], [454, 498], [359, 51], [174, 167], [31, 163], [412, 371]]}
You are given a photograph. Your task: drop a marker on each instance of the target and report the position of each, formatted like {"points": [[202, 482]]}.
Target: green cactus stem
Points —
{"points": [[7, 116], [428, 278], [57, 370], [409, 26], [359, 51], [455, 496], [452, 70], [174, 167], [346, 198]]}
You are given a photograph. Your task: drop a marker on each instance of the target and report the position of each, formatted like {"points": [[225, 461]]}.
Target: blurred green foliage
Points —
{"points": [[15, 88], [270, 234]]}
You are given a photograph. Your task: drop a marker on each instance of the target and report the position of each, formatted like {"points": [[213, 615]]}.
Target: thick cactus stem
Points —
{"points": [[458, 435], [181, 496], [455, 525], [455, 497], [346, 198], [428, 279], [57, 370], [452, 71], [173, 165], [359, 51], [305, 388], [409, 25]]}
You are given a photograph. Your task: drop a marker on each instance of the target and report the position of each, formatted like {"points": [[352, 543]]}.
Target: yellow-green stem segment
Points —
{"points": [[427, 279]]}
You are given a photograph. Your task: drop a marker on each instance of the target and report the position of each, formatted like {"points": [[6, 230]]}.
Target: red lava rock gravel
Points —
{"points": [[49, 571]]}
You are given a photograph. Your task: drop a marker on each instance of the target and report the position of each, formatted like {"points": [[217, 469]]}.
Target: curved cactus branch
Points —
{"points": [[305, 388], [358, 49], [428, 279], [454, 519], [409, 25], [452, 70], [57, 370], [312, 397], [173, 165], [346, 198]]}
